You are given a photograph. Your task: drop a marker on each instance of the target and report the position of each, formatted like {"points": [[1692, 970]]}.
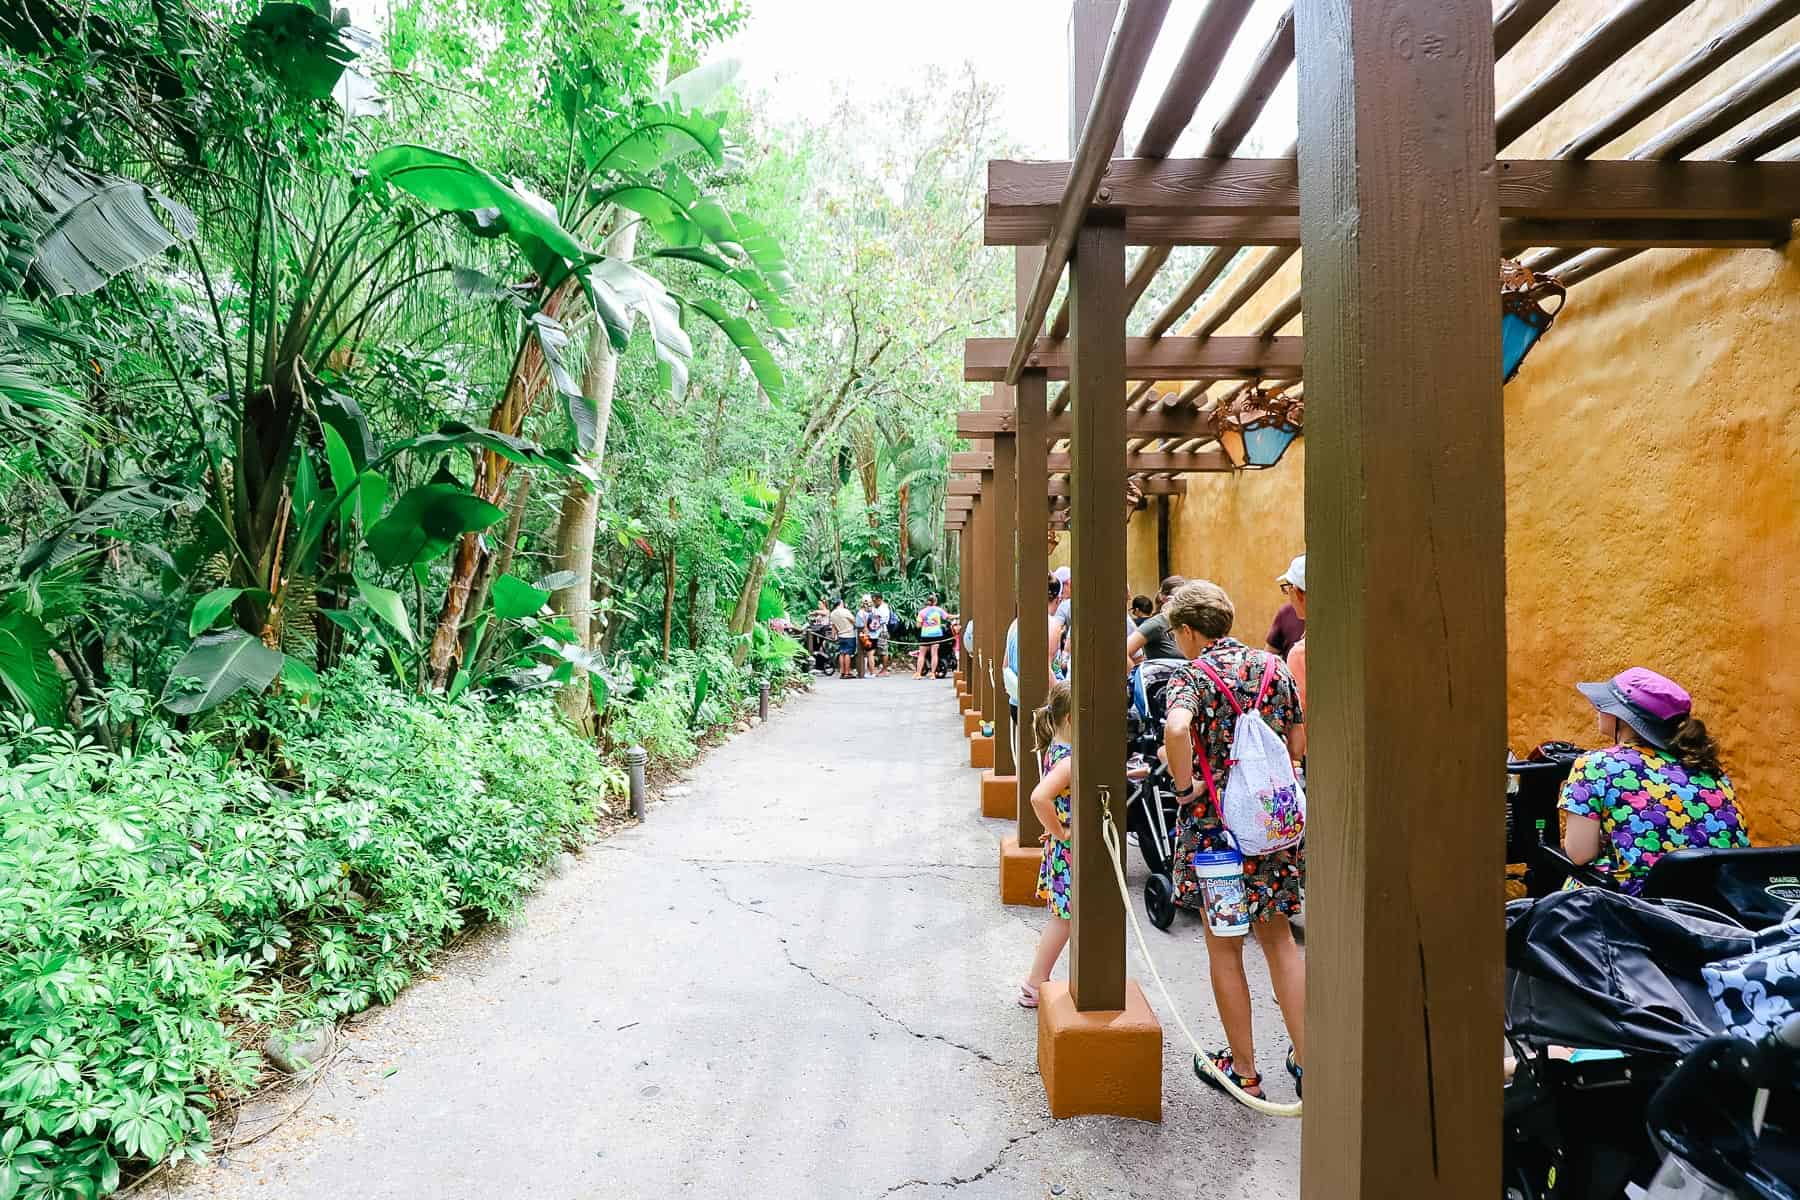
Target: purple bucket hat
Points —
{"points": [[1652, 704]]}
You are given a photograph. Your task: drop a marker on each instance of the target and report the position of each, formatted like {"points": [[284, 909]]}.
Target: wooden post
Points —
{"points": [[1032, 562], [1163, 567], [1097, 377], [1405, 520], [1001, 595], [974, 568]]}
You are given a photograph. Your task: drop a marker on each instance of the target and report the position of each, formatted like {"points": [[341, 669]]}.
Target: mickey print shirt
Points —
{"points": [[1649, 805]]}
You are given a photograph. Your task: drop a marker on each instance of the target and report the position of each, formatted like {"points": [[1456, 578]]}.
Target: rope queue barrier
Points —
{"points": [[1202, 1059]]}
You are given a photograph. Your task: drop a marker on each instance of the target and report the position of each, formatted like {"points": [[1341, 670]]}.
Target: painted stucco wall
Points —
{"points": [[1652, 464], [1653, 460]]}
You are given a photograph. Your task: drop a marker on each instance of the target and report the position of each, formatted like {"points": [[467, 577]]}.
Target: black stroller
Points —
{"points": [[1622, 978], [1151, 810], [821, 645]]}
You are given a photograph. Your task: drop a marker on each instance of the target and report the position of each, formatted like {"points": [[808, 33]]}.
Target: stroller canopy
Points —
{"points": [[1597, 969]]}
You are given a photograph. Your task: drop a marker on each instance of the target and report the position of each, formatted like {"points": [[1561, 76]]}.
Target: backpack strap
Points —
{"points": [[1219, 682], [1212, 789], [1268, 680]]}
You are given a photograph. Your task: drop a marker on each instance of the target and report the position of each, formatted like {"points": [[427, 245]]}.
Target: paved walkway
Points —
{"points": [[795, 980]]}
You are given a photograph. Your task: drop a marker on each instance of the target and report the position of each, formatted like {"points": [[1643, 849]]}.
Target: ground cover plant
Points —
{"points": [[165, 905]]}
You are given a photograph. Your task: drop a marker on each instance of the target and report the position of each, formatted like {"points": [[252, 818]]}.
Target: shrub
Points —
{"points": [[161, 908]]}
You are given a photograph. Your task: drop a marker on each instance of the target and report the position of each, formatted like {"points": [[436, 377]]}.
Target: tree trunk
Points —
{"points": [[868, 467], [693, 599], [905, 530], [669, 589], [484, 578], [743, 617]]}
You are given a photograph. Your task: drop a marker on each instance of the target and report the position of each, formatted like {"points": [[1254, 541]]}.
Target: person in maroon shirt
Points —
{"points": [[1290, 623]]}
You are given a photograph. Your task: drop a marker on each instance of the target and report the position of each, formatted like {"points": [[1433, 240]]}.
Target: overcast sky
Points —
{"points": [[795, 52]]}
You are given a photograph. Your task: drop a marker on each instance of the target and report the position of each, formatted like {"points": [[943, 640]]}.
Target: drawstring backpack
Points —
{"points": [[1263, 806]]}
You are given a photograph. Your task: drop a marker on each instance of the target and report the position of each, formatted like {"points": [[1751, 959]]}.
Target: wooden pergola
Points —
{"points": [[1396, 191]]}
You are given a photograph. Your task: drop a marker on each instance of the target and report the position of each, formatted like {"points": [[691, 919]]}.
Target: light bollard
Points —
{"points": [[636, 758], [762, 701]]}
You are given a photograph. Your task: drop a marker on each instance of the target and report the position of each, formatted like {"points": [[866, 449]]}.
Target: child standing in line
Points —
{"points": [[1050, 801]]}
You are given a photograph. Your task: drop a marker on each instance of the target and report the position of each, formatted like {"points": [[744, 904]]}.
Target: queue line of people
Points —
{"points": [[1655, 786]]}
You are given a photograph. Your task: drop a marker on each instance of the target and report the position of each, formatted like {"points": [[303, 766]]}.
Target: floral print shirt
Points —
{"points": [[1649, 805], [1191, 691]]}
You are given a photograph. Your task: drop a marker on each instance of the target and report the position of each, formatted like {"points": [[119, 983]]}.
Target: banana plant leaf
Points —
{"points": [[619, 287], [456, 435], [217, 667], [762, 363], [553, 341], [28, 676], [663, 133], [213, 605], [386, 604], [451, 184], [768, 302], [426, 521], [139, 499], [85, 228]]}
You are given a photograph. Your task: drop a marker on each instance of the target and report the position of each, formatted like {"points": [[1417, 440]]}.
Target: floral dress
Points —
{"points": [[1276, 882], [1054, 878], [1649, 805]]}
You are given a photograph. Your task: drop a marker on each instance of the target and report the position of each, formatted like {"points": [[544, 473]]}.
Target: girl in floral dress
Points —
{"points": [[1050, 801]]}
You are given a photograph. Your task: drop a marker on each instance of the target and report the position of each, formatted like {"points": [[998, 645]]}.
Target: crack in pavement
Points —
{"points": [[726, 892], [875, 1008], [956, 1181]]}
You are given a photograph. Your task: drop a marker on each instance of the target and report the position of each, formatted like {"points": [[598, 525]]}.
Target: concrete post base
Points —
{"points": [[1019, 872], [999, 795], [981, 750], [971, 721], [1100, 1063]]}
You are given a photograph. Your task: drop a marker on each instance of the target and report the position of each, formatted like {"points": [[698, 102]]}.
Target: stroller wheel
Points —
{"points": [[1159, 900]]}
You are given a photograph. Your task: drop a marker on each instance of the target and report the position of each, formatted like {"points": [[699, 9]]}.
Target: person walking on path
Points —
{"points": [[1198, 737], [1050, 800], [883, 657], [1293, 583], [843, 628], [932, 623]]}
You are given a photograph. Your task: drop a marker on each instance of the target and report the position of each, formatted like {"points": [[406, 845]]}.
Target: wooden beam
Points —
{"points": [[1602, 46], [1405, 524], [1706, 58], [1649, 234], [1213, 32], [1197, 463], [1152, 422], [1001, 603], [1031, 567], [1518, 19], [1771, 135], [1265, 75], [986, 359], [1126, 56], [1097, 335], [1253, 282], [972, 460], [1772, 82]]}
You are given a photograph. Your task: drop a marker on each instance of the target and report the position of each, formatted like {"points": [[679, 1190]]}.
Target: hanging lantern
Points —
{"points": [[1523, 317], [1257, 428]]}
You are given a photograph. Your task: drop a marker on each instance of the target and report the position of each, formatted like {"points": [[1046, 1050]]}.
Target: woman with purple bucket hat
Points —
{"points": [[1656, 788]]}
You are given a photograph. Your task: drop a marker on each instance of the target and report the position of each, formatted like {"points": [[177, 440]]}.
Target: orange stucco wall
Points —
{"points": [[1652, 465]]}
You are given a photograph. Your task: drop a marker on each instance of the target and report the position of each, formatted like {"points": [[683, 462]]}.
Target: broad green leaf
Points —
{"points": [[301, 680], [642, 294], [764, 251], [515, 599], [459, 684], [662, 210], [78, 229], [663, 133], [450, 184], [28, 676], [308, 503], [553, 341], [210, 607], [299, 46], [514, 449], [427, 520], [371, 497], [762, 362], [702, 684], [217, 667], [343, 414], [773, 308], [598, 686], [699, 88], [387, 605]]}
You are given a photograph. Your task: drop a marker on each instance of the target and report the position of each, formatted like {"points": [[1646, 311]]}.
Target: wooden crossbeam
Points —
{"points": [[1153, 422], [966, 489], [1177, 192], [986, 359], [1179, 464]]}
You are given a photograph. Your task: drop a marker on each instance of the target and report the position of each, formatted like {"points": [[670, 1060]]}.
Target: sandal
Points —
{"points": [[1250, 1085], [1294, 1069], [1028, 996]]}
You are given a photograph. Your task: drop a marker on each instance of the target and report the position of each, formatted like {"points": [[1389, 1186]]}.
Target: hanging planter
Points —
{"points": [[1523, 317], [1257, 428]]}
